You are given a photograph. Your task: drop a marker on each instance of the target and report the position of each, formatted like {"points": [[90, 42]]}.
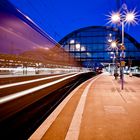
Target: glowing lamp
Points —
{"points": [[115, 17]]}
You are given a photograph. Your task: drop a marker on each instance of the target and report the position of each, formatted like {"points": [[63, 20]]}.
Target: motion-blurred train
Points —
{"points": [[24, 47]]}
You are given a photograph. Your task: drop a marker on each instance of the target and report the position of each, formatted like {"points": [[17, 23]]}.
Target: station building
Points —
{"points": [[92, 46]]}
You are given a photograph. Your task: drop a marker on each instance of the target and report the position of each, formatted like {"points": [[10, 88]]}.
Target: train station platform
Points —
{"points": [[96, 110]]}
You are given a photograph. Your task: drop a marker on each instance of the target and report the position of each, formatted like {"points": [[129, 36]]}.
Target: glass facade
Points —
{"points": [[92, 46]]}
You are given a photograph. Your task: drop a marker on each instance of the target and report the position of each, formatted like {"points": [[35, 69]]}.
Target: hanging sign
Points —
{"points": [[122, 47], [122, 63]]}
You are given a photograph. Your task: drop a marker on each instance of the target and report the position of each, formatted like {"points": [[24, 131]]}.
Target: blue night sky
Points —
{"points": [[60, 17]]}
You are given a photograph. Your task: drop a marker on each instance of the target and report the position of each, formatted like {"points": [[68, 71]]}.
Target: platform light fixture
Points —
{"points": [[72, 41], [78, 46], [83, 48], [115, 17], [113, 44], [122, 17]]}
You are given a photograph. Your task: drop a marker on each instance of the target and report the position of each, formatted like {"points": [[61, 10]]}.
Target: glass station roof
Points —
{"points": [[90, 45]]}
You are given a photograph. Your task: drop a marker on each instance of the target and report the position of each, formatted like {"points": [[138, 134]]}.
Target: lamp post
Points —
{"points": [[122, 17]]}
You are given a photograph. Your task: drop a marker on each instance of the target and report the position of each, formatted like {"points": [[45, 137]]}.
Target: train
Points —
{"points": [[26, 48]]}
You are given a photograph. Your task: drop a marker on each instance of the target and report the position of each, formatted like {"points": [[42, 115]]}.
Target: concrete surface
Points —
{"points": [[97, 110]]}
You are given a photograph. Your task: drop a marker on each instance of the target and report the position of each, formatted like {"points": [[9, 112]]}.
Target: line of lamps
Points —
{"points": [[122, 17]]}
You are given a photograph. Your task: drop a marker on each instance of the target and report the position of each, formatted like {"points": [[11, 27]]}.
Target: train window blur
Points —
{"points": [[25, 47]]}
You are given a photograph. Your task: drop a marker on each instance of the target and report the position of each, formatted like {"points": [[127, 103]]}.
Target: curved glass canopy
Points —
{"points": [[92, 46]]}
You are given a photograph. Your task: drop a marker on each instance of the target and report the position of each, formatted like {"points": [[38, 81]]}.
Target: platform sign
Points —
{"points": [[122, 47], [123, 63]]}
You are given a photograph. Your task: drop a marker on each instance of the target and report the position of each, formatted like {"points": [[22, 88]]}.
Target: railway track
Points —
{"points": [[18, 78], [21, 116]]}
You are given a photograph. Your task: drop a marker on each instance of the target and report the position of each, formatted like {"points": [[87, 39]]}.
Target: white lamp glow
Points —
{"points": [[113, 44], [109, 40], [130, 17], [78, 46], [83, 49], [72, 41], [115, 17], [110, 34]]}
